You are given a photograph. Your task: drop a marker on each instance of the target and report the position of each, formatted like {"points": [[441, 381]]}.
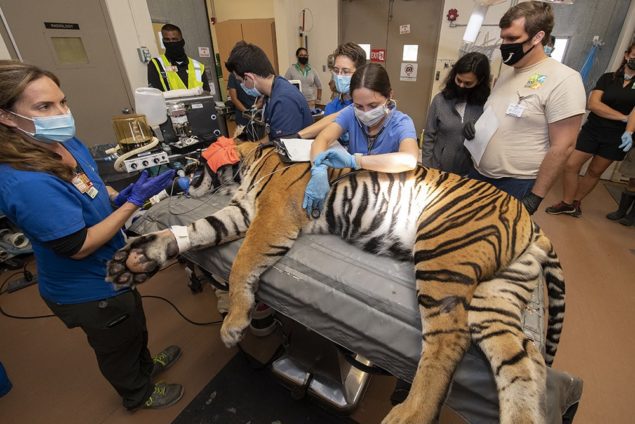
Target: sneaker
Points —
{"points": [[164, 395], [577, 204], [165, 359], [564, 208], [263, 321]]}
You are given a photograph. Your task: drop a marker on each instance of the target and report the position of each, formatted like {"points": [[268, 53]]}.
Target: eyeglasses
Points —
{"points": [[345, 71]]}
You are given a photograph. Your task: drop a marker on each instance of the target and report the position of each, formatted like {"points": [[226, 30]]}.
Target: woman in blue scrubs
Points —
{"points": [[50, 189], [381, 137]]}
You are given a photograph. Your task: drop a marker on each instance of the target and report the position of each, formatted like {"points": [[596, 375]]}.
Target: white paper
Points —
{"points": [[486, 126], [298, 149]]}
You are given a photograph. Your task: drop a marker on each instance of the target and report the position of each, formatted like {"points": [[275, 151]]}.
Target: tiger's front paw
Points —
{"points": [[141, 258], [406, 413], [233, 329]]}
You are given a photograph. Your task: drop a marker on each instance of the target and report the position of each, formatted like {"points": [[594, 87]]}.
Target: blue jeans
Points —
{"points": [[513, 186]]}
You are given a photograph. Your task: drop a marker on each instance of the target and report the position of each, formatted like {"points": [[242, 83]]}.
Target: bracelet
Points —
{"points": [[182, 237]]}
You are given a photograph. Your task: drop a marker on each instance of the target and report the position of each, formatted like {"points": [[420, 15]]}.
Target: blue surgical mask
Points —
{"points": [[548, 50], [253, 92], [51, 129], [343, 83]]}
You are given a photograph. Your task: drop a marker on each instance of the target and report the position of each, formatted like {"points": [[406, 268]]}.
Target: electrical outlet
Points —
{"points": [[144, 54]]}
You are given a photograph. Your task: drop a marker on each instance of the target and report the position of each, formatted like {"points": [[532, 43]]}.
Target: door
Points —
{"points": [[72, 39], [399, 27]]}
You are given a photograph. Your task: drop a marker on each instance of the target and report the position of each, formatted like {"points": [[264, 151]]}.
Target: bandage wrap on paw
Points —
{"points": [[182, 237]]}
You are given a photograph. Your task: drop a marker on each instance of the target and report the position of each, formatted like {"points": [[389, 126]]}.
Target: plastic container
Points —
{"points": [[151, 103]]}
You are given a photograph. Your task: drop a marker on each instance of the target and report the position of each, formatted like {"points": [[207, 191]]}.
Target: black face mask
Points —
{"points": [[514, 52], [631, 64], [175, 51], [303, 60], [462, 92]]}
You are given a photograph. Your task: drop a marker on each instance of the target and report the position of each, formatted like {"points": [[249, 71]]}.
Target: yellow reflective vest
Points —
{"points": [[169, 72]]}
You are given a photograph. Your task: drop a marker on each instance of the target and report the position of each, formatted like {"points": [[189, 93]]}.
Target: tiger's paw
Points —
{"points": [[233, 329], [141, 258], [406, 413]]}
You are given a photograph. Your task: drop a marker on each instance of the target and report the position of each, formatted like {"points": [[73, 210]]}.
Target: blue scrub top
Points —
{"points": [[286, 110], [336, 105], [397, 128], [47, 208]]}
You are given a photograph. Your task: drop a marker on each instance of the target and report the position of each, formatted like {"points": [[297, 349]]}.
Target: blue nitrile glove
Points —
{"points": [[316, 190], [627, 141], [146, 187], [122, 196], [336, 158]]}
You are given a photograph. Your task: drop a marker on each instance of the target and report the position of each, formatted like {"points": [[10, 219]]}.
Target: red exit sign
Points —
{"points": [[378, 55]]}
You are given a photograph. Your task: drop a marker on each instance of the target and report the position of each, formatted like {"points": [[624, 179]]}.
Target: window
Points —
{"points": [[410, 52], [366, 48], [560, 48], [69, 50]]}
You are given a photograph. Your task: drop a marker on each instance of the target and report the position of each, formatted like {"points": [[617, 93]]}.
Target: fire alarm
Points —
{"points": [[452, 15]]}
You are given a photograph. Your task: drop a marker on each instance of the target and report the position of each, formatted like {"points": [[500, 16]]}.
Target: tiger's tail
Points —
{"points": [[554, 279]]}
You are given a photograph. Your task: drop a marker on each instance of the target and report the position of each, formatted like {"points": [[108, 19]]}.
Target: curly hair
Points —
{"points": [[15, 149]]}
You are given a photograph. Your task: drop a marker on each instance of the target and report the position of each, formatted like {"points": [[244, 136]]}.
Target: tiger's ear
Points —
{"points": [[246, 148]]}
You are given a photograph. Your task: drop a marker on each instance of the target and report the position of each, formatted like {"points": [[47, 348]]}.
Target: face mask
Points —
{"points": [[303, 60], [253, 92], [548, 50], [372, 116], [461, 92], [51, 129], [175, 51], [631, 64], [343, 83], [513, 52]]}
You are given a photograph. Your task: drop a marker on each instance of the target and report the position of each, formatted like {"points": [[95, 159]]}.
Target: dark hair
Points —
{"points": [[14, 149], [538, 17], [246, 57], [352, 51], [372, 76], [620, 71], [471, 62], [171, 27], [552, 40], [297, 52]]}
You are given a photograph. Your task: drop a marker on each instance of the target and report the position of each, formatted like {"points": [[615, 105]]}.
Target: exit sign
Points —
{"points": [[378, 55]]}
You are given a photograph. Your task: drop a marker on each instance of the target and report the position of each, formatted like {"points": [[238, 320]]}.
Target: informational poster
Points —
{"points": [[378, 55], [404, 29], [408, 72], [203, 52]]}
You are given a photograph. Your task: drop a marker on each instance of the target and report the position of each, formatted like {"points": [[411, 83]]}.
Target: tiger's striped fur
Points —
{"points": [[476, 252]]}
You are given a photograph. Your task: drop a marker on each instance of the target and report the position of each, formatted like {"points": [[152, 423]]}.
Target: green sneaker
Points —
{"points": [[165, 359], [164, 395]]}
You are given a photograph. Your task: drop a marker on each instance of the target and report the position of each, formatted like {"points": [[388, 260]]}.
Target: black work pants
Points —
{"points": [[116, 330]]}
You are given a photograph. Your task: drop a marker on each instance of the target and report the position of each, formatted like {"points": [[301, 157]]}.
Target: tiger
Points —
{"points": [[476, 251]]}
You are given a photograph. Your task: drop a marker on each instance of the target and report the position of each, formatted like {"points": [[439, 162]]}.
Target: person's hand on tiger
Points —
{"points": [[316, 190], [531, 202], [469, 130], [627, 141], [336, 158]]}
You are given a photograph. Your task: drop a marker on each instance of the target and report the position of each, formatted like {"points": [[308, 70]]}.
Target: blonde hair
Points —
{"points": [[14, 149]]}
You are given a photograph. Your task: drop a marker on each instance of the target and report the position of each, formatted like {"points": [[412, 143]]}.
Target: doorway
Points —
{"points": [[72, 39], [407, 32]]}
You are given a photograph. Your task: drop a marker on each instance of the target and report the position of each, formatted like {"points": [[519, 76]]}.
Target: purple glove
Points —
{"points": [[122, 196], [146, 187]]}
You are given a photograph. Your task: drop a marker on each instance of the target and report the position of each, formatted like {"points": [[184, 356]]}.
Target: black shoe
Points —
{"points": [[164, 395], [626, 200], [165, 359]]}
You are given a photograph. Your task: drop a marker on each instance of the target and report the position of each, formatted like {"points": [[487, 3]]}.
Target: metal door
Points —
{"points": [[390, 25], [72, 38]]}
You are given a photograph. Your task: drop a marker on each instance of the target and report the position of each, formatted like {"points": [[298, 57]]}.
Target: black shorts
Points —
{"points": [[602, 142]]}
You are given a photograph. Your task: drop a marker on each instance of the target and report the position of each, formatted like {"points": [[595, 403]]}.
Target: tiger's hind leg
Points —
{"points": [[495, 319], [268, 239]]}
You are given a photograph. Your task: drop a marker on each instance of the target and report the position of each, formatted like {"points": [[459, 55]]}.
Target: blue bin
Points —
{"points": [[5, 384]]}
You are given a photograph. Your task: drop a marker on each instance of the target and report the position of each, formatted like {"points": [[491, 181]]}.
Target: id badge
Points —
{"points": [[84, 185], [172, 68], [515, 109]]}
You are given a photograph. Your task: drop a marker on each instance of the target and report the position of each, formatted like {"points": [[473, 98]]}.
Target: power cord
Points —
{"points": [[147, 296]]}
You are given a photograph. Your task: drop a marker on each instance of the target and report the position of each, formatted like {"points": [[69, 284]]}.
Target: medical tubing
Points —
{"points": [[120, 167]]}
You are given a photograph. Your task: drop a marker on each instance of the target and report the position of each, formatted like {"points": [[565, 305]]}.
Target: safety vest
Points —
{"points": [[194, 73]]}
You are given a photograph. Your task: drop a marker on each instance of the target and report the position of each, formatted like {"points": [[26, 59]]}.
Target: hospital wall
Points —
{"points": [[4, 51]]}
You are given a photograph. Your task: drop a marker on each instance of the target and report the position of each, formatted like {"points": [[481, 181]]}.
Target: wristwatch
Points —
{"points": [[358, 160]]}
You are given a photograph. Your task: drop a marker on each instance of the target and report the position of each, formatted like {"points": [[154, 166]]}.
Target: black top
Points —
{"points": [[615, 96], [244, 98], [154, 78]]}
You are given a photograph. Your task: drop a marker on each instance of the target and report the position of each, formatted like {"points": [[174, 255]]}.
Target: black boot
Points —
{"points": [[626, 200], [629, 218]]}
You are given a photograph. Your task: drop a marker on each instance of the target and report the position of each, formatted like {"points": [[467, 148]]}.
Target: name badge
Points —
{"points": [[515, 109], [84, 185], [171, 68]]}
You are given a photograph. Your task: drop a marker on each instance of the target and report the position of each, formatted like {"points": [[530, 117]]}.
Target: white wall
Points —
{"points": [[628, 30], [321, 23], [4, 52], [133, 28]]}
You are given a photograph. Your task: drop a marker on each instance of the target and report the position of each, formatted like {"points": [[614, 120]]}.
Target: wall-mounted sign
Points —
{"points": [[203, 52], [378, 55], [60, 25], [404, 29], [408, 72]]}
